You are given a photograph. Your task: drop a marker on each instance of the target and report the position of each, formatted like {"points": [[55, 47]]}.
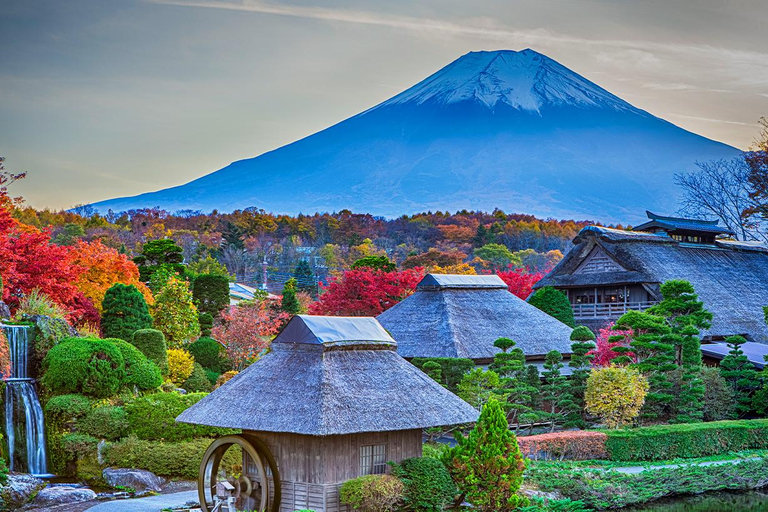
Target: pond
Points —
{"points": [[756, 501]]}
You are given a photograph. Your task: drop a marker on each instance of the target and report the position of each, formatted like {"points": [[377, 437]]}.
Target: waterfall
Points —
{"points": [[24, 429]]}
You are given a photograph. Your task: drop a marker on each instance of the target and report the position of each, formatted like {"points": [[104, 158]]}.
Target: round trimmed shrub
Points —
{"points": [[206, 323], [213, 377], [151, 343], [68, 407], [107, 422], [209, 353], [372, 493], [124, 312], [180, 365], [428, 486], [84, 365], [197, 380], [554, 303], [139, 371]]}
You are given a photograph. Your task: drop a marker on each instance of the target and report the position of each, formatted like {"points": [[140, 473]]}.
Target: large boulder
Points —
{"points": [[5, 311], [18, 490], [138, 479], [62, 495]]}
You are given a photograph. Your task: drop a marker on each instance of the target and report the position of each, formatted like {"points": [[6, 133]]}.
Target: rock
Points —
{"points": [[19, 488], [5, 311], [137, 479], [62, 495]]}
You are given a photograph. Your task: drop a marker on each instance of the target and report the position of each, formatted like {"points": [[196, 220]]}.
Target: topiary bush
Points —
{"points": [[140, 372], [554, 303], [151, 343], [153, 417], [77, 446], [209, 353], [68, 407], [372, 493], [108, 422], [211, 293], [213, 377], [428, 486], [84, 365], [180, 365], [206, 324], [452, 369], [197, 380], [125, 312]]}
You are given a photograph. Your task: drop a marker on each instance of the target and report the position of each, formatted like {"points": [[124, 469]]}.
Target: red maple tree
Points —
{"points": [[247, 329], [365, 292], [603, 351], [520, 281]]}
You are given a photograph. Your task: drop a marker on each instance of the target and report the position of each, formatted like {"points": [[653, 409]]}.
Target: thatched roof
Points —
{"points": [[680, 224], [327, 376], [755, 352], [731, 277], [464, 315]]}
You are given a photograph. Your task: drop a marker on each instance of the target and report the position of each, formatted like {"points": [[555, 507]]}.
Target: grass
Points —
{"points": [[609, 464]]}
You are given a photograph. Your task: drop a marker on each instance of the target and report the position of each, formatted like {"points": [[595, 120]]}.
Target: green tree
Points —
{"points": [[69, 235], [211, 266], [210, 293], [680, 307], [290, 304], [305, 278], [554, 303], [175, 313], [375, 263], [124, 312], [581, 364], [498, 255], [690, 403], [514, 383], [151, 343], [478, 386], [740, 373], [615, 394], [654, 352], [487, 465], [434, 371], [760, 400], [159, 253], [556, 390]]}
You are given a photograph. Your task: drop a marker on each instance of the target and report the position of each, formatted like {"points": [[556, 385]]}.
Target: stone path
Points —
{"points": [[148, 504], [634, 470]]}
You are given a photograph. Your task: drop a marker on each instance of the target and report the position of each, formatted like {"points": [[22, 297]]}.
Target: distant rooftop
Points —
{"points": [[320, 330], [466, 282], [680, 224], [755, 352]]}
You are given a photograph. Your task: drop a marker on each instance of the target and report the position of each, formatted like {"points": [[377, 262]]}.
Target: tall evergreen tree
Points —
{"points": [[581, 364], [305, 278], [290, 304], [155, 254], [680, 307], [125, 312], [740, 373], [509, 365], [211, 293], [556, 390], [690, 404]]}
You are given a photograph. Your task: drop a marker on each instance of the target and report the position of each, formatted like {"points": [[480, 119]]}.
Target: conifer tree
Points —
{"points": [[125, 312], [690, 406], [581, 364], [510, 367], [556, 390], [655, 357], [156, 254], [487, 465], [290, 304], [680, 307], [740, 373], [305, 278]]}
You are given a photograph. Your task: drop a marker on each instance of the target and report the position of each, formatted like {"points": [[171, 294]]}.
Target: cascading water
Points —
{"points": [[24, 429]]}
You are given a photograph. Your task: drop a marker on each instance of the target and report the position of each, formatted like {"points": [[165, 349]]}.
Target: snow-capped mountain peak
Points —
{"points": [[524, 80]]}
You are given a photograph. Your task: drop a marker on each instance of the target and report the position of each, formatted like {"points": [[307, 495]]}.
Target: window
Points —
{"points": [[373, 459]]}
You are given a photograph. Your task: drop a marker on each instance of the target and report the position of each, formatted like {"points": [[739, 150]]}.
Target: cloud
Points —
{"points": [[677, 86], [710, 120]]}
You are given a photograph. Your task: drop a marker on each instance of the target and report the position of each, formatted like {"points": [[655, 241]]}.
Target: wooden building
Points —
{"points": [[609, 272], [332, 401], [462, 315]]}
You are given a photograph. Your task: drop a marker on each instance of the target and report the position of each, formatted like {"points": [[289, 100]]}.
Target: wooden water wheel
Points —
{"points": [[254, 483]]}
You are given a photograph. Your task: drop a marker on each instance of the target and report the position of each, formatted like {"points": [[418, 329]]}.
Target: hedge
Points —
{"points": [[664, 442], [428, 486], [569, 445], [84, 365], [151, 343], [139, 370], [106, 422], [161, 458], [153, 418]]}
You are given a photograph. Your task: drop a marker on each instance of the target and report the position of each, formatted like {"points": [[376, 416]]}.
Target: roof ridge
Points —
{"points": [[450, 323], [656, 216]]}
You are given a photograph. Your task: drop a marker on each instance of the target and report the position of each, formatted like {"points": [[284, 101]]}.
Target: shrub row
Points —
{"points": [[571, 445], [664, 442]]}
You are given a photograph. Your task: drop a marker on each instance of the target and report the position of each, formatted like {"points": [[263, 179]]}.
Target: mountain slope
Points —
{"points": [[509, 130]]}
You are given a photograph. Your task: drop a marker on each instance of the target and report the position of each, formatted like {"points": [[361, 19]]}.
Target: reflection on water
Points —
{"points": [[717, 502]]}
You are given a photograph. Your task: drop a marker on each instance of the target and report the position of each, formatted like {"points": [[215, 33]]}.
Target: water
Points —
{"points": [[24, 428], [754, 501]]}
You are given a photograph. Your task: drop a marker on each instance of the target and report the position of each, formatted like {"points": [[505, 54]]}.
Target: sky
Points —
{"points": [[108, 98]]}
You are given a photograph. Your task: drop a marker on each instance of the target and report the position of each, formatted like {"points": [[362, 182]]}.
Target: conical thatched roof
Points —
{"points": [[330, 375], [461, 316]]}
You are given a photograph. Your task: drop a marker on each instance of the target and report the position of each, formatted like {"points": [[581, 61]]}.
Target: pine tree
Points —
{"points": [[487, 465], [655, 357], [290, 304], [305, 278], [581, 364], [556, 390], [740, 373], [211, 293], [125, 312], [510, 367], [155, 254], [690, 403], [434, 371]]}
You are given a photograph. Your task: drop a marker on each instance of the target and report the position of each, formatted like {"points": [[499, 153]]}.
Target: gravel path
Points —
{"points": [[148, 504]]}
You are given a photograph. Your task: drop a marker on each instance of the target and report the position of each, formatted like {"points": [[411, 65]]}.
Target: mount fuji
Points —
{"points": [[502, 129]]}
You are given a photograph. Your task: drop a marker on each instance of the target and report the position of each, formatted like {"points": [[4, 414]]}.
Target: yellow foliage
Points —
{"points": [[180, 365], [615, 394], [224, 378], [459, 268]]}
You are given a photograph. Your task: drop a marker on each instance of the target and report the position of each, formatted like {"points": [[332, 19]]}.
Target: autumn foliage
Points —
{"points": [[520, 281], [365, 292], [247, 329], [568, 445], [603, 351], [615, 394]]}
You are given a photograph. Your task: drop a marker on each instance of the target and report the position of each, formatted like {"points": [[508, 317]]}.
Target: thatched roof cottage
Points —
{"points": [[462, 315], [333, 401], [611, 271]]}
